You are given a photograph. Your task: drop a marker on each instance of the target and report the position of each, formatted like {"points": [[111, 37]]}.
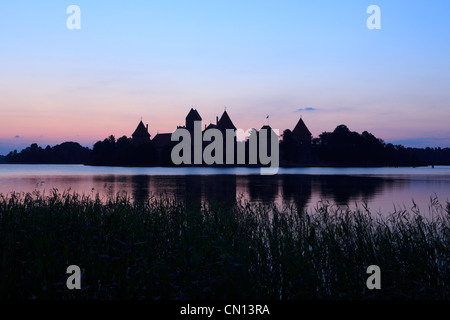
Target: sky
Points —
{"points": [[287, 59]]}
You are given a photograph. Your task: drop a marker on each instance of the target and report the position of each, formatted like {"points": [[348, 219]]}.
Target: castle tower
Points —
{"points": [[141, 135], [301, 133], [225, 122], [192, 116]]}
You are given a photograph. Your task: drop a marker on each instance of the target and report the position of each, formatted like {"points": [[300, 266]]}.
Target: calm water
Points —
{"points": [[382, 188]]}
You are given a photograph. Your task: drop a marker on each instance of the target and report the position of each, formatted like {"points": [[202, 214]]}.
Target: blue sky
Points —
{"points": [[157, 59]]}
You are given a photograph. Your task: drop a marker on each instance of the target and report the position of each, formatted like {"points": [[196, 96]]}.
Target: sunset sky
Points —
{"points": [[286, 59]]}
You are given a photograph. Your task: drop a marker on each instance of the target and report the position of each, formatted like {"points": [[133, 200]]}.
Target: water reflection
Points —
{"points": [[382, 192], [261, 188], [344, 189], [223, 189], [298, 189]]}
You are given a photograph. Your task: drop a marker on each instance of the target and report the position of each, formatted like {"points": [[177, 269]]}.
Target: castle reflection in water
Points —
{"points": [[384, 189], [303, 190]]}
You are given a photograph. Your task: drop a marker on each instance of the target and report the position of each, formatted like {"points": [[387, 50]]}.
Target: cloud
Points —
{"points": [[306, 109], [16, 137]]}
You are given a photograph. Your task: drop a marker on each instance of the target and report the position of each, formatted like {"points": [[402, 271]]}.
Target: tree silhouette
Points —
{"points": [[123, 152], [65, 153], [345, 147]]}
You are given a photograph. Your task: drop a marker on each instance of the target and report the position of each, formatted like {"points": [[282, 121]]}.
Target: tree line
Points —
{"points": [[64, 153], [341, 147]]}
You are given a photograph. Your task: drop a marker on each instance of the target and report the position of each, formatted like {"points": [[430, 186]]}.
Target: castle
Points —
{"points": [[299, 139]]}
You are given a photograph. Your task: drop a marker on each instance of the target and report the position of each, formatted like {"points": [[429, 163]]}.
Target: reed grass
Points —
{"points": [[166, 248]]}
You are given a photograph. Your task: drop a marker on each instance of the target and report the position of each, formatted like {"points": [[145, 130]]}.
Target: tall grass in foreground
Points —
{"points": [[167, 249]]}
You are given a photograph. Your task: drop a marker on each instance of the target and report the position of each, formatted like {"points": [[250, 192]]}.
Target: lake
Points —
{"points": [[382, 188]]}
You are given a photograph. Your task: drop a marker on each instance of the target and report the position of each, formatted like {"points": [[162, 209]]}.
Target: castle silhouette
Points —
{"points": [[300, 138]]}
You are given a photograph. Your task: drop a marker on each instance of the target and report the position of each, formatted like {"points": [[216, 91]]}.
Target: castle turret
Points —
{"points": [[192, 116], [301, 133], [225, 122], [141, 134]]}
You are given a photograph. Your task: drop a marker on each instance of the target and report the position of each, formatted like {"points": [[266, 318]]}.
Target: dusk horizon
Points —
{"points": [[408, 143]]}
